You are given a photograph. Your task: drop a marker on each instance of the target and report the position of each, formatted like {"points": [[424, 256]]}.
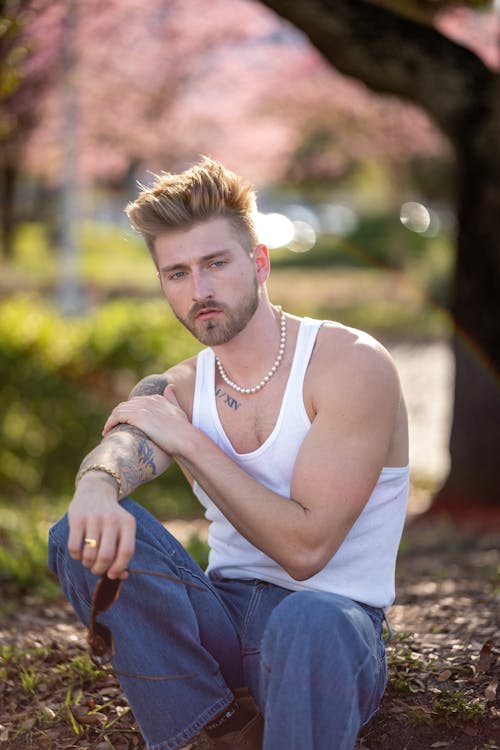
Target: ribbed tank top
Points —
{"points": [[364, 565]]}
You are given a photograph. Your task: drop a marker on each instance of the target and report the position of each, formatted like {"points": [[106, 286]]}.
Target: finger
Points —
{"points": [[90, 550], [111, 422], [169, 394], [107, 549], [125, 549], [75, 538], [116, 416]]}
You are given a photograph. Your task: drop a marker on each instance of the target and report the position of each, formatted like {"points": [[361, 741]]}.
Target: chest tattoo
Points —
{"points": [[227, 399]]}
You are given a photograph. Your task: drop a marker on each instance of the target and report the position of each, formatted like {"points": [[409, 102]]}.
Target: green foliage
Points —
{"points": [[116, 257], [23, 553], [30, 679], [80, 670], [34, 261], [198, 549], [112, 257], [404, 666], [25, 663], [379, 241], [61, 377], [456, 707]]}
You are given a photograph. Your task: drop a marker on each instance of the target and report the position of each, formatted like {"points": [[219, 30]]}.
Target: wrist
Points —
{"points": [[104, 475]]}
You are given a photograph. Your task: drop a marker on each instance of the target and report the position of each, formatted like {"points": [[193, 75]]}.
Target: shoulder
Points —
{"points": [[349, 365], [341, 347], [182, 376]]}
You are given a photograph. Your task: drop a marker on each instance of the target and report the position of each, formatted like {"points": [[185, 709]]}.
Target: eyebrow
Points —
{"points": [[203, 259]]}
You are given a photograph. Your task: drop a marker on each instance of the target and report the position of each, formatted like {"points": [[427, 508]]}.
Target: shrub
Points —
{"points": [[60, 378]]}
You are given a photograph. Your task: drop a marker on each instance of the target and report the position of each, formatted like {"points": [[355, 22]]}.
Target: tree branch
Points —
{"points": [[394, 55]]}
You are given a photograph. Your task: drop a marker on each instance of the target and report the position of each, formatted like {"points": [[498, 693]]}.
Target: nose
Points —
{"points": [[202, 285]]}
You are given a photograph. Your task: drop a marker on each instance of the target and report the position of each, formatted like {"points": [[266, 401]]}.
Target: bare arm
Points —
{"points": [[94, 511]]}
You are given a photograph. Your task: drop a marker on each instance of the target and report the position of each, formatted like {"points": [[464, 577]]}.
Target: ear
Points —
{"points": [[262, 263], [160, 280]]}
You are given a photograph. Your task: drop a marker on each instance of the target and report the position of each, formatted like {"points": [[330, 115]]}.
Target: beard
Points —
{"points": [[220, 330]]}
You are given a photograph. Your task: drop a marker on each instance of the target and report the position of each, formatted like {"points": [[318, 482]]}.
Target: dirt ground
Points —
{"points": [[444, 661], [444, 657]]}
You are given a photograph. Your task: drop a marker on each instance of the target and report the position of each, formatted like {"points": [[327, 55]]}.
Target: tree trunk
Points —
{"points": [[8, 176], [475, 434], [395, 55]]}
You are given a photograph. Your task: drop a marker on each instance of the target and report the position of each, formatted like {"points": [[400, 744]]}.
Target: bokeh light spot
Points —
{"points": [[274, 230], [415, 217], [304, 237]]}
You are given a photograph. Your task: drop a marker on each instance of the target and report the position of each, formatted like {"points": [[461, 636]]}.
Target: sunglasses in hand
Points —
{"points": [[100, 638]]}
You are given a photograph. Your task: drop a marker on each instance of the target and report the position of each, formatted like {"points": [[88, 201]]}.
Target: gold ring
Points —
{"points": [[92, 543]]}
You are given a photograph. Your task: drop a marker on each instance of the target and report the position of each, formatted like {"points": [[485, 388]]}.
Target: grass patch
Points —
{"points": [[405, 666], [109, 255], [80, 671], [456, 707]]}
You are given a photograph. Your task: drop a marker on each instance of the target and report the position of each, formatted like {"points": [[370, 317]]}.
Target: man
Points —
{"points": [[293, 434]]}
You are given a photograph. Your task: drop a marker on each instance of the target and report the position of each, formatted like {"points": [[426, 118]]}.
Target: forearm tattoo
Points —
{"points": [[128, 450], [136, 465]]}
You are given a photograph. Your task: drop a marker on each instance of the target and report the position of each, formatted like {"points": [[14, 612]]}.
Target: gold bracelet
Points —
{"points": [[106, 470]]}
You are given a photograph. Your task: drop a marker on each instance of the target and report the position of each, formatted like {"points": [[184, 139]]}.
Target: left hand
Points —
{"points": [[161, 418]]}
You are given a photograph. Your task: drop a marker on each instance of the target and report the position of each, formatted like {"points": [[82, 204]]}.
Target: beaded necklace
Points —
{"points": [[271, 372]]}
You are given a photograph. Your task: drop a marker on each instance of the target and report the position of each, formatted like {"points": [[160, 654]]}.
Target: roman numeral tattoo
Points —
{"points": [[227, 399]]}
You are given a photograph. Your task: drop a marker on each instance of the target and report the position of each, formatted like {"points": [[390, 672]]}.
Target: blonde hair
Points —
{"points": [[205, 191]]}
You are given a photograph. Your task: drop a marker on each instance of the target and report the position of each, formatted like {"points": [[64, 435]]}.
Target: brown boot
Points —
{"points": [[248, 738]]}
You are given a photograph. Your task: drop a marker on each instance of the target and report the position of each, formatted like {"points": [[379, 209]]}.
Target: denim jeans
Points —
{"points": [[314, 662]]}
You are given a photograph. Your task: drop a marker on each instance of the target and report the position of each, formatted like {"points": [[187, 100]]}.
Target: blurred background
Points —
{"points": [[378, 191]]}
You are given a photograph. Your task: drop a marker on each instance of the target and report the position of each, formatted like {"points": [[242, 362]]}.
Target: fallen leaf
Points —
{"points": [[4, 733], [95, 718], [442, 677], [490, 693], [486, 656], [48, 713], [440, 744]]}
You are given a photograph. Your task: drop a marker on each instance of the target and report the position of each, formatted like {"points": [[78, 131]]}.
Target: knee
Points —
{"points": [[311, 623], [308, 612]]}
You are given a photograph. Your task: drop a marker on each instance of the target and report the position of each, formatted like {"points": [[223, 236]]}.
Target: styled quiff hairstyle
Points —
{"points": [[205, 191]]}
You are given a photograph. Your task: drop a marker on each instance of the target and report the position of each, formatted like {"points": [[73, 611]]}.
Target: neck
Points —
{"points": [[251, 356]]}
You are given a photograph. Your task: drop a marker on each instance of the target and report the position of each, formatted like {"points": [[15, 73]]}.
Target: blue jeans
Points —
{"points": [[314, 662]]}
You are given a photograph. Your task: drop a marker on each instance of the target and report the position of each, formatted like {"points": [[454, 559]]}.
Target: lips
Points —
{"points": [[208, 312]]}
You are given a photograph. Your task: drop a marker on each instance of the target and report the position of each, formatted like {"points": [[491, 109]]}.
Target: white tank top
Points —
{"points": [[363, 567]]}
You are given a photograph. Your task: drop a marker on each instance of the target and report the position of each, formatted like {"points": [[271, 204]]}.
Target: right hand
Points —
{"points": [[95, 513]]}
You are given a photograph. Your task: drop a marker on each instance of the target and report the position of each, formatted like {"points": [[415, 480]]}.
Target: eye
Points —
{"points": [[177, 275], [218, 263]]}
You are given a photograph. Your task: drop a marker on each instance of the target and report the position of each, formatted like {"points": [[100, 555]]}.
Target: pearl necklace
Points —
{"points": [[271, 372]]}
